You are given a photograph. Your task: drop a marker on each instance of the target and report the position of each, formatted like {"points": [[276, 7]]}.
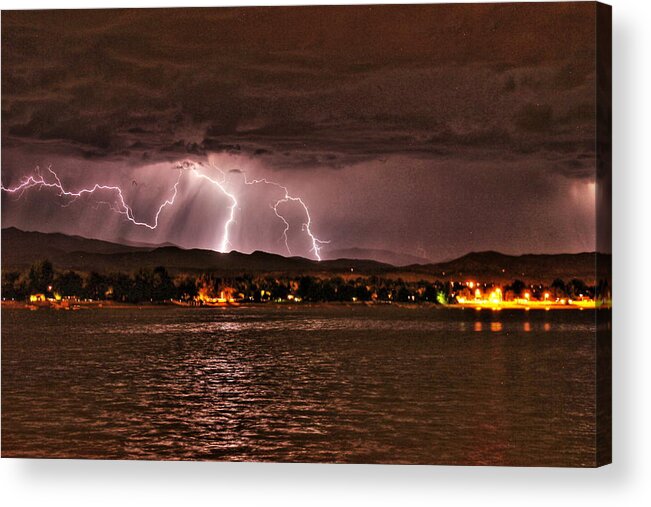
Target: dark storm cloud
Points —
{"points": [[306, 87]]}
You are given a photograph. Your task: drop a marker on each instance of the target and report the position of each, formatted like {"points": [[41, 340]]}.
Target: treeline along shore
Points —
{"points": [[42, 283]]}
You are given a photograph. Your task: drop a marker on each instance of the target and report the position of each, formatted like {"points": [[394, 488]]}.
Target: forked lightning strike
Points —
{"points": [[225, 242], [306, 226], [38, 181]]}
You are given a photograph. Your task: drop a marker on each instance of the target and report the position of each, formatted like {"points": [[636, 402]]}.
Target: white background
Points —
{"points": [[626, 482]]}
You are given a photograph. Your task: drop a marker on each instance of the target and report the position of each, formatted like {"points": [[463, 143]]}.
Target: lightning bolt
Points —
{"points": [[225, 242], [38, 181], [307, 224]]}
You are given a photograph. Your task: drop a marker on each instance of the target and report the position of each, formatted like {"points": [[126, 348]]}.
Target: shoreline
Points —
{"points": [[113, 305]]}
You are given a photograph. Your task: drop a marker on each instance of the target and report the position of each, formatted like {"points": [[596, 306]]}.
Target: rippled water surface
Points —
{"points": [[358, 384]]}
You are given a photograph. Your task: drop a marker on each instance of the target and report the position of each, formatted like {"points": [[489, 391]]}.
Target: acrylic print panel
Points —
{"points": [[351, 234]]}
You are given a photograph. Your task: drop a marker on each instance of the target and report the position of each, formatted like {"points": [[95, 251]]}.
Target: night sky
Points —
{"points": [[427, 130]]}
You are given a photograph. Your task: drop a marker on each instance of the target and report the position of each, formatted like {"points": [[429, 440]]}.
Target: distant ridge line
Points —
{"points": [[21, 248]]}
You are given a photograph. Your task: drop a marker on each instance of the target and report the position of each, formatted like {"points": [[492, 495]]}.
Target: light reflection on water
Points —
{"points": [[342, 384]]}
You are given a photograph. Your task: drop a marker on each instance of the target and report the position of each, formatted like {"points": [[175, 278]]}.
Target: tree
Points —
{"points": [[186, 289], [10, 285], [383, 294], [163, 287], [69, 284], [41, 276], [346, 292], [362, 293], [404, 294], [143, 285], [122, 285], [576, 288], [96, 286], [279, 291], [558, 288], [430, 293], [307, 288], [327, 291], [517, 287], [602, 290]]}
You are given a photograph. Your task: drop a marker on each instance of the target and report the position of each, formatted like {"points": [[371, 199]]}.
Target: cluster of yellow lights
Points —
{"points": [[495, 300], [206, 297], [39, 298]]}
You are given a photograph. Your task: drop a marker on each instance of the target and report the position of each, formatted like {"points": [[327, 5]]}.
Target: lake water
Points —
{"points": [[361, 384]]}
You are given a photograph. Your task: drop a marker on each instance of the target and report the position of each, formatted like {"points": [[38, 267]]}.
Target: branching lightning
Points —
{"points": [[39, 181], [225, 242], [307, 224]]}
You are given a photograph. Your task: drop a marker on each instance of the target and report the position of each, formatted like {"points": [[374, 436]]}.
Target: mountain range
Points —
{"points": [[21, 248], [383, 256]]}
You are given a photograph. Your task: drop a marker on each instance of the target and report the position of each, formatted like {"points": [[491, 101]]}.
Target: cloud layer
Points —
{"points": [[306, 87]]}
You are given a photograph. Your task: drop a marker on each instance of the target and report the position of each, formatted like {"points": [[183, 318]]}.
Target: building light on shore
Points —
{"points": [[495, 297]]}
